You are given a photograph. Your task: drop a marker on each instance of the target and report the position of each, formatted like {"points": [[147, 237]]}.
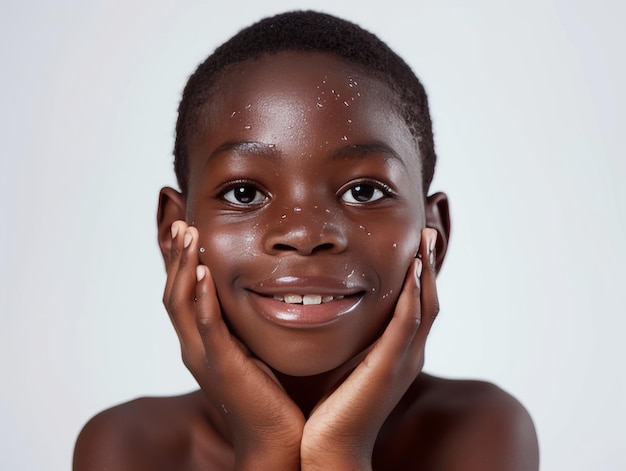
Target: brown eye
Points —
{"points": [[362, 193], [244, 195]]}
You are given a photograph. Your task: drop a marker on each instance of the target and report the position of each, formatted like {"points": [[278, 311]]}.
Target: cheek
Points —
{"points": [[224, 249], [394, 251]]}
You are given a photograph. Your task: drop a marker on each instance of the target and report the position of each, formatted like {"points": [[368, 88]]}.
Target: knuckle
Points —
{"points": [[413, 322], [205, 325], [435, 311], [172, 306], [174, 254]]}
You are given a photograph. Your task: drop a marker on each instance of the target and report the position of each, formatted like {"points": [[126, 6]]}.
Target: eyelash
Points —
{"points": [[243, 185], [259, 197], [385, 192]]}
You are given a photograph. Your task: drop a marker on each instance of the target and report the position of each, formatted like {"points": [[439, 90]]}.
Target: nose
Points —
{"points": [[305, 232]]}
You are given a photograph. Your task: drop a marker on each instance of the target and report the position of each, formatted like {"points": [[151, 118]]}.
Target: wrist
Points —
{"points": [[273, 459], [338, 455], [257, 455]]}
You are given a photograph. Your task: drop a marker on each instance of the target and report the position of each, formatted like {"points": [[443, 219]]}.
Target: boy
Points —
{"points": [[301, 255]]}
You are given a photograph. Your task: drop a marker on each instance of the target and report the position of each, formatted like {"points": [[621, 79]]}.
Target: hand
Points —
{"points": [[265, 424], [342, 430]]}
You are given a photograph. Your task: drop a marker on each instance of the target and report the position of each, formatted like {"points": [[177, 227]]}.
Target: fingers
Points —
{"points": [[429, 298], [416, 308], [406, 320], [180, 290], [219, 346], [429, 301], [178, 234]]}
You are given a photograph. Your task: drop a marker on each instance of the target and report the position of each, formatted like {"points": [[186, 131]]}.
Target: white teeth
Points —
{"points": [[293, 299], [311, 299], [306, 299]]}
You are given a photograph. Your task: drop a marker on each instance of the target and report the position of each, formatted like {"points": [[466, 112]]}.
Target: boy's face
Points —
{"points": [[306, 182]]}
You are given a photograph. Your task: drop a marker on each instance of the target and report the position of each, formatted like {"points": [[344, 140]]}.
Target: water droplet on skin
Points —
{"points": [[361, 227], [202, 250], [297, 210], [369, 233], [277, 265], [358, 94], [349, 121], [344, 138], [248, 106], [346, 103], [283, 216], [271, 146], [319, 105], [224, 409], [327, 210], [247, 127], [395, 246], [373, 290], [232, 115]]}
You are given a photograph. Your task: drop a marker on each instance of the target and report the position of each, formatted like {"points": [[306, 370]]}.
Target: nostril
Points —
{"points": [[322, 247], [284, 247], [317, 248]]}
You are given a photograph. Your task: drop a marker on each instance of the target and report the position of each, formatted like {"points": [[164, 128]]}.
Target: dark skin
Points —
{"points": [[301, 283]]}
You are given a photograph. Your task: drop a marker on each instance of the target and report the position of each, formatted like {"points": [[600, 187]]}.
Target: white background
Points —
{"points": [[528, 103]]}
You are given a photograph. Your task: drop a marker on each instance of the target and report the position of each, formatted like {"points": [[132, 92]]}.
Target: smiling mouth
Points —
{"points": [[305, 310], [306, 299]]}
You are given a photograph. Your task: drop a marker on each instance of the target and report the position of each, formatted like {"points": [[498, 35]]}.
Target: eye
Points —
{"points": [[244, 195], [362, 193]]}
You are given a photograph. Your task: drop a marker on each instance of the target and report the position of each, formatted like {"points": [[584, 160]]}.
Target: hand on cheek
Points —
{"points": [[260, 417], [345, 425], [262, 420]]}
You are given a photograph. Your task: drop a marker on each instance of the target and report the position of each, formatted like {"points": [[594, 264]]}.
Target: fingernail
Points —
{"points": [[432, 239], [187, 239], [418, 272], [174, 229], [200, 273]]}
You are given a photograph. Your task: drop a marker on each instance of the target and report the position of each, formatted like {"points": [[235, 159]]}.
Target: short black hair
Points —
{"points": [[307, 31]]}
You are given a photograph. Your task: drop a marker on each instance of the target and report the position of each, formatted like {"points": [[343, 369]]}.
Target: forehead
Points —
{"points": [[317, 101]]}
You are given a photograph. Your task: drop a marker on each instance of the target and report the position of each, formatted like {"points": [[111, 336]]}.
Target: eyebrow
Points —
{"points": [[349, 151], [361, 150], [246, 147]]}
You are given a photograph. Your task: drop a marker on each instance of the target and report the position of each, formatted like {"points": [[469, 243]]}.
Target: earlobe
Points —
{"points": [[171, 208], [438, 218]]}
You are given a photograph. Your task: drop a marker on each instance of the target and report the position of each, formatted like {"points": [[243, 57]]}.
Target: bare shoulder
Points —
{"points": [[463, 425], [151, 433]]}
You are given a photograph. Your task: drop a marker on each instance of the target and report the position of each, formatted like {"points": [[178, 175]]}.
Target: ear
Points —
{"points": [[171, 208], [438, 218]]}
